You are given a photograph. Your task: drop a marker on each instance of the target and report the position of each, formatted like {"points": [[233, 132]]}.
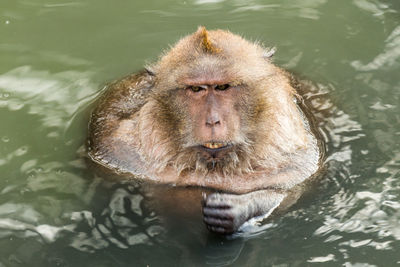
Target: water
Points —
{"points": [[56, 56]]}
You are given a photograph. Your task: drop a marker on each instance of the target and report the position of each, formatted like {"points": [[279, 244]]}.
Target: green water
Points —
{"points": [[56, 56]]}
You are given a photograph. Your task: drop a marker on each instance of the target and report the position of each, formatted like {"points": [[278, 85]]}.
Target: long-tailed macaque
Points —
{"points": [[213, 112]]}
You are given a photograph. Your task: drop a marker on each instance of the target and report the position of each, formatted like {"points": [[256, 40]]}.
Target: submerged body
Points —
{"points": [[213, 112]]}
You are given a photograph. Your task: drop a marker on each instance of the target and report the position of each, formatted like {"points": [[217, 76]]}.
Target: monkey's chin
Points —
{"points": [[226, 160]]}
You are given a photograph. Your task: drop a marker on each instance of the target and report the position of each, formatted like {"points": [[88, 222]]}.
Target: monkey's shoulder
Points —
{"points": [[120, 100], [126, 96], [109, 141]]}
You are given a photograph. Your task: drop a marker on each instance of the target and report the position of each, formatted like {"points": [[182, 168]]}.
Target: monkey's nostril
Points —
{"points": [[212, 123], [212, 117]]}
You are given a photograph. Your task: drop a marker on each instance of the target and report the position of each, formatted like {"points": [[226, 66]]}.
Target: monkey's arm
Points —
{"points": [[225, 213]]}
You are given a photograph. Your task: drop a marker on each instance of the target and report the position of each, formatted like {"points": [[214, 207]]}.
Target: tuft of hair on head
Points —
{"points": [[205, 43]]}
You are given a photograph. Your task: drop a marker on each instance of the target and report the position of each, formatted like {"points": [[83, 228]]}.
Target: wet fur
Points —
{"points": [[140, 125]]}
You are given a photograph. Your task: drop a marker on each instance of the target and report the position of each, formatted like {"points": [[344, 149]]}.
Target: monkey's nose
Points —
{"points": [[213, 120]]}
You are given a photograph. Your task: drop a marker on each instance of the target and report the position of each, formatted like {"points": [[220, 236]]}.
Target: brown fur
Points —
{"points": [[272, 143]]}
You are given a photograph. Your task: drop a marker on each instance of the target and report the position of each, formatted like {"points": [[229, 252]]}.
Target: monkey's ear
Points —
{"points": [[269, 53], [149, 71]]}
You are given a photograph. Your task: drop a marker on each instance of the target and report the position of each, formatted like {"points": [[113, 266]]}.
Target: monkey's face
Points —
{"points": [[210, 98], [215, 122], [212, 135]]}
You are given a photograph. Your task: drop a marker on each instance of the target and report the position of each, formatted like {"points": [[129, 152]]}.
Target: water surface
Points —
{"points": [[56, 56]]}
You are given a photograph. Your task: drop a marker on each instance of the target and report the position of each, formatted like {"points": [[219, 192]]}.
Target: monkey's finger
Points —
{"points": [[228, 224], [219, 230], [216, 202], [218, 213], [220, 199], [216, 205], [213, 203]]}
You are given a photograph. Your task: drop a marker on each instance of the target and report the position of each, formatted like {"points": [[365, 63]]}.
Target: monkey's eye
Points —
{"points": [[222, 87], [195, 88]]}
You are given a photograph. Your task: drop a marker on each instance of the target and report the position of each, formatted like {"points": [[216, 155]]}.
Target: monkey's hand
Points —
{"points": [[225, 213]]}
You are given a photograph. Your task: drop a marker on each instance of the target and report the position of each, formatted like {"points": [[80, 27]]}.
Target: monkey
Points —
{"points": [[213, 112]]}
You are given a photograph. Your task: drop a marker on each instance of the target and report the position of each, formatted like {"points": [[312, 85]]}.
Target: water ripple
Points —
{"points": [[388, 58], [42, 91]]}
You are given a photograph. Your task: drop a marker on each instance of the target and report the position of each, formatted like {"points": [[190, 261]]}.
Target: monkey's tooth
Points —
{"points": [[214, 145]]}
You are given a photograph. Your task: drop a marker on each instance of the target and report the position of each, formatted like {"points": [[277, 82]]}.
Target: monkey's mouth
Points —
{"points": [[213, 152], [214, 145], [216, 149]]}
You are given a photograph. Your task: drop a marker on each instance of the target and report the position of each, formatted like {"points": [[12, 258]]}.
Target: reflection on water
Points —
{"points": [[389, 57], [42, 92], [56, 57], [307, 9], [122, 223]]}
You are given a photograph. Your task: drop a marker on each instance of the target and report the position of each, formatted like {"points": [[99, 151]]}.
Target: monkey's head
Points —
{"points": [[213, 105]]}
